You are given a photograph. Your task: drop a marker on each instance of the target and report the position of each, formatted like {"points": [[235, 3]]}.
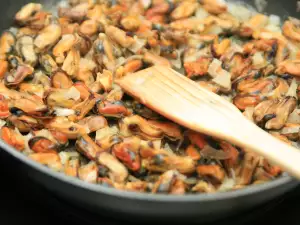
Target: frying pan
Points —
{"points": [[145, 207]]}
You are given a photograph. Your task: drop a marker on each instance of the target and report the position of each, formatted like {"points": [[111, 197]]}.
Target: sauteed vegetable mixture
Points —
{"points": [[60, 104]]}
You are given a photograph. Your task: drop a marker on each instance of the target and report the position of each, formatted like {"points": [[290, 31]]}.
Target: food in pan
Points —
{"points": [[61, 106]]}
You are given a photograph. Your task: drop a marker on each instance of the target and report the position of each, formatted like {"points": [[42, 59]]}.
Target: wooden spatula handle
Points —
{"points": [[257, 140]]}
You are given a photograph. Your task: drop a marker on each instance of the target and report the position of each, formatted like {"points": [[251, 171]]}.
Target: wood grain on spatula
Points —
{"points": [[183, 101]]}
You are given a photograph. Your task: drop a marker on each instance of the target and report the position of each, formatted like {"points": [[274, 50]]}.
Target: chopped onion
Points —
{"points": [[65, 156], [2, 123], [227, 184], [120, 61], [138, 44], [260, 5], [146, 3], [17, 131], [273, 28], [13, 30], [40, 76], [45, 133], [209, 152], [232, 173], [214, 29], [26, 139], [168, 148], [222, 2], [290, 130], [214, 68], [63, 111], [192, 57], [106, 131], [63, 4], [293, 89], [176, 63], [39, 93], [204, 187], [258, 59], [72, 93], [294, 117], [240, 11], [157, 144], [201, 13], [275, 20], [274, 24], [293, 49], [87, 64], [234, 48], [110, 65], [223, 79]]}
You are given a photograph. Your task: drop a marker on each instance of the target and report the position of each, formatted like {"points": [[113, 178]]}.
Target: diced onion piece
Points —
{"points": [[168, 148], [233, 49], [227, 184], [40, 94], [201, 13], [294, 117], [157, 144], [63, 4], [273, 28], [214, 68], [65, 156], [274, 20], [293, 49], [290, 130], [293, 89], [138, 44], [87, 64], [45, 133], [146, 3], [196, 55], [240, 11], [120, 61], [176, 63], [106, 131], [72, 93], [223, 79], [26, 140], [105, 79], [260, 5], [2, 123], [214, 29], [274, 24], [258, 59], [63, 111], [222, 2]]}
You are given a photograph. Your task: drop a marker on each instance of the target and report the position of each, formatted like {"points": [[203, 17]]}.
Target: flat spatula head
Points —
{"points": [[182, 100]]}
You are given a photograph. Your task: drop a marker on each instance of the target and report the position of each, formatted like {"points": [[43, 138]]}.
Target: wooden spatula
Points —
{"points": [[183, 101]]}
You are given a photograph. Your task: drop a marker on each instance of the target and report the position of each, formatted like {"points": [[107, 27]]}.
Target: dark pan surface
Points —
{"points": [[197, 208]]}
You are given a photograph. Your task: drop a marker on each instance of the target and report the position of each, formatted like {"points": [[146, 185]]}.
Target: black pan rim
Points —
{"points": [[145, 196]]}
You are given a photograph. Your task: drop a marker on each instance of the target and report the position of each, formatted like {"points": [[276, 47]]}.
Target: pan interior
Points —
{"points": [[7, 12]]}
